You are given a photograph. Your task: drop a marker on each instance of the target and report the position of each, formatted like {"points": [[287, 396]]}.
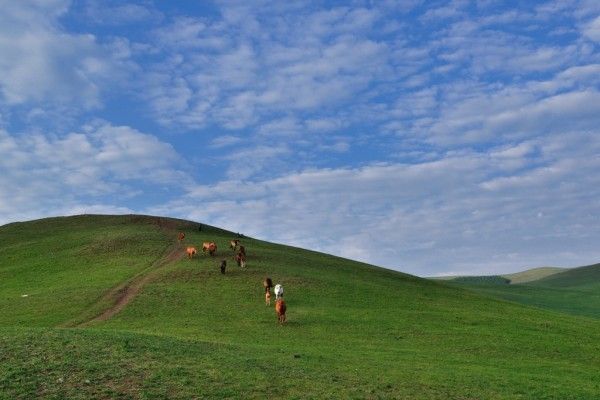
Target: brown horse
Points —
{"points": [[241, 260], [280, 309], [211, 247], [191, 252], [180, 237], [267, 284], [234, 244]]}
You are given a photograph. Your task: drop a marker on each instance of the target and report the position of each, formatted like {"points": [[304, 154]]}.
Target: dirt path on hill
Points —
{"points": [[121, 295]]}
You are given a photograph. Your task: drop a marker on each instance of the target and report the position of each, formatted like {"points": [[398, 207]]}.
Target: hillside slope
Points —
{"points": [[532, 274], [353, 330], [582, 278]]}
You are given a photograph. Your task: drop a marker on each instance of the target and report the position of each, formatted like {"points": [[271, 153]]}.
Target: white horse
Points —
{"points": [[278, 291]]}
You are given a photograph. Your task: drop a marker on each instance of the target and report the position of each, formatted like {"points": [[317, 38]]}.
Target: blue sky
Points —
{"points": [[432, 137]]}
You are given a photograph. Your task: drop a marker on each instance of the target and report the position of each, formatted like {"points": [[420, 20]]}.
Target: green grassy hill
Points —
{"points": [[109, 307]]}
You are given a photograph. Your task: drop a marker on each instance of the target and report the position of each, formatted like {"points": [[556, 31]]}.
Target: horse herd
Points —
{"points": [[240, 258]]}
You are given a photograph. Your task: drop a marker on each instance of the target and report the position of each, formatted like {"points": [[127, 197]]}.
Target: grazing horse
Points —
{"points": [[278, 291], [280, 309], [234, 244], [180, 237], [223, 266], [211, 247], [191, 252], [240, 258], [267, 284]]}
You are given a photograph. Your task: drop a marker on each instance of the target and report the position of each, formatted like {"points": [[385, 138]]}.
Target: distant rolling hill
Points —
{"points": [[574, 291], [528, 275], [533, 274], [107, 307], [582, 278]]}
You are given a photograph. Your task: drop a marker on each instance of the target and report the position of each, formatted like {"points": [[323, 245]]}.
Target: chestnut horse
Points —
{"points": [[211, 247], [191, 252], [280, 309]]}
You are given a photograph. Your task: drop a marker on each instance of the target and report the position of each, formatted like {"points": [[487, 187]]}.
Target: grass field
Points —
{"points": [[353, 330]]}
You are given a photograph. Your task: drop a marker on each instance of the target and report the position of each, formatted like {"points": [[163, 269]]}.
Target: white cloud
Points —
{"points": [[225, 141], [324, 124], [120, 14], [46, 173], [485, 51], [281, 127], [339, 146], [573, 110], [327, 70], [452, 10], [250, 160], [79, 209], [467, 112], [592, 29], [41, 63], [241, 75]]}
